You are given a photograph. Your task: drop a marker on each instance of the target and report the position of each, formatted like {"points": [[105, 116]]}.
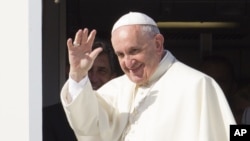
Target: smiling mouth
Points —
{"points": [[136, 69]]}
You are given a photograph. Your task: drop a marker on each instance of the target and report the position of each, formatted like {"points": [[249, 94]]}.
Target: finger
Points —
{"points": [[69, 43], [95, 52], [84, 36], [91, 38], [78, 37], [87, 40]]}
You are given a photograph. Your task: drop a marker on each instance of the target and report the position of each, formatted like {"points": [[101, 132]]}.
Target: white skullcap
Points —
{"points": [[132, 18]]}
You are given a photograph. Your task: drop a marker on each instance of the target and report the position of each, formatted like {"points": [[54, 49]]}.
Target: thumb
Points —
{"points": [[95, 53]]}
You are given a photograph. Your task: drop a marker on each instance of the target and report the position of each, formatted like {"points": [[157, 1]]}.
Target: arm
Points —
{"points": [[90, 114], [81, 56], [82, 107]]}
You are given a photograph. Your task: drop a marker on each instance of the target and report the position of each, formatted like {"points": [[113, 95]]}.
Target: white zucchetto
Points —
{"points": [[132, 18]]}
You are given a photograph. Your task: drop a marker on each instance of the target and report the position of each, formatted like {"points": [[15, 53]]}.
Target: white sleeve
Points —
{"points": [[75, 88]]}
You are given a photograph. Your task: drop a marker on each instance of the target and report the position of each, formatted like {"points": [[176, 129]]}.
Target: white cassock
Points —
{"points": [[178, 104]]}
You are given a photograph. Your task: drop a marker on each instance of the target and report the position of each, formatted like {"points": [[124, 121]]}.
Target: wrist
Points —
{"points": [[76, 76]]}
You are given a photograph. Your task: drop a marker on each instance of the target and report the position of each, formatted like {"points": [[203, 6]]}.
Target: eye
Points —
{"points": [[120, 55], [102, 70], [134, 51]]}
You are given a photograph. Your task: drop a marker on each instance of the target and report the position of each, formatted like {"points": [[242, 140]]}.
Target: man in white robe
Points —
{"points": [[158, 99]]}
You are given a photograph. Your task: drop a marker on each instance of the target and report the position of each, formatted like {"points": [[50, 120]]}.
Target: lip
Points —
{"points": [[136, 69]]}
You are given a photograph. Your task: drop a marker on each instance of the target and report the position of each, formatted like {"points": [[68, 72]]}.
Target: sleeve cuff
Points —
{"points": [[75, 88]]}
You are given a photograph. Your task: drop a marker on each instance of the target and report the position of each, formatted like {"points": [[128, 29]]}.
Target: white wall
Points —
{"points": [[20, 73]]}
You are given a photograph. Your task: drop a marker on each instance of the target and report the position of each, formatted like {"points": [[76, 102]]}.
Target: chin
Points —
{"points": [[138, 81]]}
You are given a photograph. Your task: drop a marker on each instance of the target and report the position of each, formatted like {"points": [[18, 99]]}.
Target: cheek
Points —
{"points": [[123, 67], [122, 64], [103, 77], [151, 60]]}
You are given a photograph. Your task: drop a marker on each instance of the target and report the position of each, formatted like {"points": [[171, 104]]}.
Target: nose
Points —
{"points": [[129, 61]]}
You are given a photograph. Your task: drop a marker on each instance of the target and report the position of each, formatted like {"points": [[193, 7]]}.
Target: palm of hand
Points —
{"points": [[81, 56]]}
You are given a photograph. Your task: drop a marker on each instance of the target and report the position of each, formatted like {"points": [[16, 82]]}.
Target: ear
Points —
{"points": [[159, 41]]}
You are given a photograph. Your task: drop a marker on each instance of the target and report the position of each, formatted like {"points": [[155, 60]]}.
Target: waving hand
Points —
{"points": [[81, 56]]}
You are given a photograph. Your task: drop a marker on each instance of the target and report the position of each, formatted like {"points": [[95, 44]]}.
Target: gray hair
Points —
{"points": [[149, 30]]}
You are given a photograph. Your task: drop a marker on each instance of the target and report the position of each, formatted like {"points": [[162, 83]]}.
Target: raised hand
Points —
{"points": [[81, 56]]}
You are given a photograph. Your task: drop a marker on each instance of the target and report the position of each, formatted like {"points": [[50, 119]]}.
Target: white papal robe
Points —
{"points": [[178, 104]]}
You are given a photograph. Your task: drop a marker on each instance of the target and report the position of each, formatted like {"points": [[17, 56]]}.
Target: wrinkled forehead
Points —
{"points": [[128, 34]]}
